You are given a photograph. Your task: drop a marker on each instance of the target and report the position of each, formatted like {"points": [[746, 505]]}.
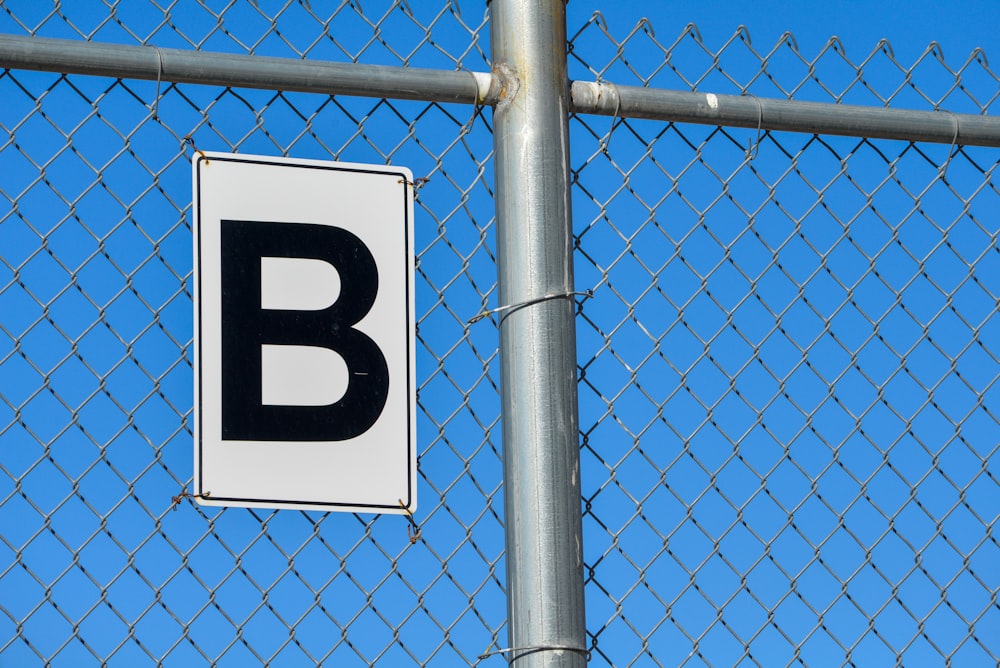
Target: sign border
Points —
{"points": [[405, 506]]}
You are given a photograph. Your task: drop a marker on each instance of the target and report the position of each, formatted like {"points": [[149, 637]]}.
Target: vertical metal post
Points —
{"points": [[537, 341]]}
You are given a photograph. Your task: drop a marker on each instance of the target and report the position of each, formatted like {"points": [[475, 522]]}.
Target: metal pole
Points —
{"points": [[537, 340]]}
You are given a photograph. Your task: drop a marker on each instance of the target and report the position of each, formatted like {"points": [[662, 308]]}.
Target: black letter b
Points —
{"points": [[246, 327]]}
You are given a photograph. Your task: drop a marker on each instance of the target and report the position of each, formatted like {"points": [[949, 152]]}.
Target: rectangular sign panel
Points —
{"points": [[304, 332]]}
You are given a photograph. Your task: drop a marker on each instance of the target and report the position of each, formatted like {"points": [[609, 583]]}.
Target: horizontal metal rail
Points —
{"points": [[153, 63], [410, 83], [750, 111]]}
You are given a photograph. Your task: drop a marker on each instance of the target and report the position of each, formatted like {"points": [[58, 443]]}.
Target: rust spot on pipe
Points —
{"points": [[504, 86]]}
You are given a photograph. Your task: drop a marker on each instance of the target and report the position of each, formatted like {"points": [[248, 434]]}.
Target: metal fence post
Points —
{"points": [[537, 335]]}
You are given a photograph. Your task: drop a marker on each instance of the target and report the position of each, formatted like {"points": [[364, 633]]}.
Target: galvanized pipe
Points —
{"points": [[409, 83], [222, 69], [537, 335], [748, 111]]}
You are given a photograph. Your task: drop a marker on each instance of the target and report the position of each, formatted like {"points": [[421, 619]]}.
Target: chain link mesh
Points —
{"points": [[788, 368], [788, 375], [105, 559], [385, 32], [782, 70]]}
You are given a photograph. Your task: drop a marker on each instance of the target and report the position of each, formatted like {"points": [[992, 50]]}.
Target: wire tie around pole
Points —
{"points": [[520, 652], [754, 148], [943, 169], [606, 139], [530, 302], [475, 89], [159, 78]]}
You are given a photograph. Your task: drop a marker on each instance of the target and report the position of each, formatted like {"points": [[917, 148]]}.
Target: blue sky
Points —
{"points": [[778, 338], [910, 26]]}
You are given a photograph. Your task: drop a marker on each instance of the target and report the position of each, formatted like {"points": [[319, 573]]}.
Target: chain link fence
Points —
{"points": [[105, 559], [788, 387], [788, 369]]}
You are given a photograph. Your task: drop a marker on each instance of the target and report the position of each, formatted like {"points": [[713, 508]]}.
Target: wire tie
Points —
{"points": [[943, 169], [412, 529], [475, 88], [188, 139], [531, 302], [606, 139], [524, 651], [176, 500], [754, 148], [159, 78], [415, 183]]}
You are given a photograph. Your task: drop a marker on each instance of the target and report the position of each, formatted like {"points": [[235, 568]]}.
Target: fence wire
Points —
{"points": [[105, 559], [788, 369]]}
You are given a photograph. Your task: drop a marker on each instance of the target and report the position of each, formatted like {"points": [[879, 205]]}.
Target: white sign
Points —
{"points": [[303, 347]]}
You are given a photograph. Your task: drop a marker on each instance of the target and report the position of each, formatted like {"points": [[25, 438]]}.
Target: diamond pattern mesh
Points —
{"points": [[788, 369], [788, 387], [104, 558]]}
